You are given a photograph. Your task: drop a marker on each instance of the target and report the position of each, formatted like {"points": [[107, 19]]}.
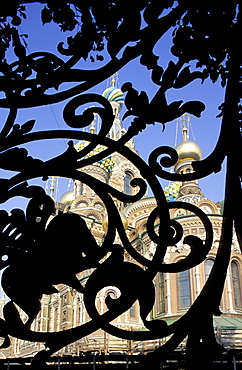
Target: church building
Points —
{"points": [[175, 292]]}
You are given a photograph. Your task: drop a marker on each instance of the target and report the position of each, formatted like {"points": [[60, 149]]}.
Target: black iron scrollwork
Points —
{"points": [[27, 237]]}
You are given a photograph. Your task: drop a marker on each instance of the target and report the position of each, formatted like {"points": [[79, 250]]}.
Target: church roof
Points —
{"points": [[222, 322]]}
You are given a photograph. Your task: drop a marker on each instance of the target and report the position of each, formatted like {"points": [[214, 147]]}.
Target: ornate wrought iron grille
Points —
{"points": [[204, 32]]}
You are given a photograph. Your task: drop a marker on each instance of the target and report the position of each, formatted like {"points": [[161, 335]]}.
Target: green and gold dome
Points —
{"points": [[107, 163], [114, 94], [171, 191]]}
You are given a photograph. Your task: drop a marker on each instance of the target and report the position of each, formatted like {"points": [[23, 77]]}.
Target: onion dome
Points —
{"points": [[106, 163], [187, 149], [114, 94], [67, 197], [171, 191], [123, 218]]}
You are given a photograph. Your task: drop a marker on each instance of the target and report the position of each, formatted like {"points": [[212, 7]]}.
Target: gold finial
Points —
{"points": [[52, 186], [185, 121], [53, 189], [184, 133], [114, 79], [92, 127]]}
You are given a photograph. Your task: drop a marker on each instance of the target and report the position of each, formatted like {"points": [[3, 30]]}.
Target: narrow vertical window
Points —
{"points": [[208, 267], [55, 319], [236, 284], [127, 186], [132, 311], [184, 291], [161, 293]]}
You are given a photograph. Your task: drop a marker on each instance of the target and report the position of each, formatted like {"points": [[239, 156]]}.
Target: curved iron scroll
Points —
{"points": [[26, 236]]}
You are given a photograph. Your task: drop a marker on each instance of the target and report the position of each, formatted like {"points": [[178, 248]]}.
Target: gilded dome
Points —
{"points": [[67, 197], [188, 150], [123, 218]]}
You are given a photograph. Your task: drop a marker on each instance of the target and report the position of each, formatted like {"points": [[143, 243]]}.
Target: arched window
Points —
{"points": [[208, 267], [236, 284], [184, 290], [127, 186], [161, 293]]}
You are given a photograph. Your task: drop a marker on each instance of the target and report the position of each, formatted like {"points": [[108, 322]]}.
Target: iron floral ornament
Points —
{"points": [[27, 237], [26, 241]]}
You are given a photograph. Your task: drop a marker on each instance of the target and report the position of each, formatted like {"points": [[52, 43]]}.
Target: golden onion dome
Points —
{"points": [[123, 218], [67, 197], [188, 150]]}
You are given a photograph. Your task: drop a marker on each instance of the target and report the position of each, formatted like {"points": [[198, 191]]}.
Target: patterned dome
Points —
{"points": [[114, 94], [105, 163], [171, 191]]}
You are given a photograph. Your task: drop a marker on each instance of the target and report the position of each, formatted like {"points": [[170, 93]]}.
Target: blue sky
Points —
{"points": [[206, 129]]}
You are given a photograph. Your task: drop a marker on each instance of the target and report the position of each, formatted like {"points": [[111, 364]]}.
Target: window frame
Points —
{"points": [[207, 274], [236, 285], [180, 305], [161, 293], [127, 187]]}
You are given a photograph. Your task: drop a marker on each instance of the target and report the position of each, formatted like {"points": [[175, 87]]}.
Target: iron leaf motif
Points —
{"points": [[114, 34]]}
